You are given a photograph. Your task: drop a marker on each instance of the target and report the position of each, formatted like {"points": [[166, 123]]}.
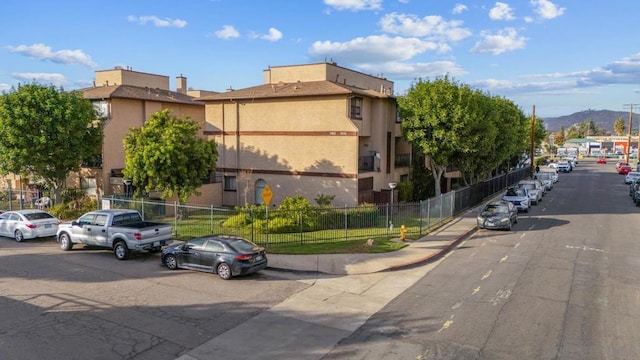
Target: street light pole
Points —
{"points": [[629, 132], [533, 140]]}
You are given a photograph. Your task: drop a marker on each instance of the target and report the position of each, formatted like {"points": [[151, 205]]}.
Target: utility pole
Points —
{"points": [[533, 139], [630, 106]]}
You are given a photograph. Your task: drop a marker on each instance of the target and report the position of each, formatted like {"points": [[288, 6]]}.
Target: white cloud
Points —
{"points": [[459, 8], [48, 78], [4, 87], [501, 11], [43, 52], [403, 1], [432, 27], [156, 21], [528, 19], [504, 40], [354, 5], [410, 71], [227, 32], [546, 9], [273, 35], [375, 49]]}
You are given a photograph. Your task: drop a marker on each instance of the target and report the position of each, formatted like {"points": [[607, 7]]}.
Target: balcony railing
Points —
{"points": [[366, 163], [402, 160]]}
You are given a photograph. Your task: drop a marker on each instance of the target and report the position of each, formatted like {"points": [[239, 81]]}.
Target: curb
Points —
{"points": [[452, 244]]}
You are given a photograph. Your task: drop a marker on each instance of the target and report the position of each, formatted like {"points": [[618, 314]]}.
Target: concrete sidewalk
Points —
{"points": [[310, 323]]}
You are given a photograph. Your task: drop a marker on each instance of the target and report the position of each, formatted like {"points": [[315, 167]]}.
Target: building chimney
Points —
{"points": [[181, 84]]}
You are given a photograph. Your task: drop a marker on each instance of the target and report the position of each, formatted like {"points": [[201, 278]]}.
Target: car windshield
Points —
{"points": [[515, 192], [528, 186], [495, 209]]}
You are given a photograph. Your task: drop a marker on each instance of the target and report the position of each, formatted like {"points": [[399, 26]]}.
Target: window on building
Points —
{"points": [[356, 108], [89, 186], [101, 107], [210, 178], [230, 183]]}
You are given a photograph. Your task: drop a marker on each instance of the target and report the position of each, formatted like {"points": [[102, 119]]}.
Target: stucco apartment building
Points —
{"points": [[125, 99], [310, 130]]}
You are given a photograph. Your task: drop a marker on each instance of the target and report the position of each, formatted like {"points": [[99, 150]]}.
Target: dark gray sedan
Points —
{"points": [[224, 255], [498, 215]]}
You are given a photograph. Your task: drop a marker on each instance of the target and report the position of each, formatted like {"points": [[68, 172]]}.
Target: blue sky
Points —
{"points": [[562, 56]]}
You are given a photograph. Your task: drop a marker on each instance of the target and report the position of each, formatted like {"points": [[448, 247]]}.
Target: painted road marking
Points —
{"points": [[446, 324], [486, 275], [504, 258], [515, 247], [523, 235], [475, 291], [585, 248], [500, 295]]}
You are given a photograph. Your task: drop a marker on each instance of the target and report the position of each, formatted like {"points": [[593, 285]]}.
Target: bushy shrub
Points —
{"points": [[365, 215], [405, 191], [238, 220], [73, 210]]}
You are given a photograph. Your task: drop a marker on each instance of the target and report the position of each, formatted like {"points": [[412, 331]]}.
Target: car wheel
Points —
{"points": [[224, 271], [121, 251], [18, 236], [65, 242], [171, 262]]}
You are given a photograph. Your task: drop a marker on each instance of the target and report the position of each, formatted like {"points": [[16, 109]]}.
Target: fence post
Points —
{"points": [[387, 219], [175, 217], [453, 203], [142, 205], [346, 223], [266, 209], [428, 213], [253, 220], [211, 219], [300, 221], [420, 216], [441, 201]]}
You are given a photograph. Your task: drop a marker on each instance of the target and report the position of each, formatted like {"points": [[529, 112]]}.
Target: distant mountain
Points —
{"points": [[603, 118]]}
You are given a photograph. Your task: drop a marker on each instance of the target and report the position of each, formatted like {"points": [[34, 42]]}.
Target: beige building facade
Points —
{"points": [[309, 130], [125, 99]]}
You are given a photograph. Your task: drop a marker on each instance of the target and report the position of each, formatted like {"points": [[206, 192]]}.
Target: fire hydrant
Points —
{"points": [[403, 232]]}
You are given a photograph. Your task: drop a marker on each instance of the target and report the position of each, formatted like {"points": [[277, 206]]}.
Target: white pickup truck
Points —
{"points": [[121, 230]]}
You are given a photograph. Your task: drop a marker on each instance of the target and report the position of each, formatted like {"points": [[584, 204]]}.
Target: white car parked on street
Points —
{"points": [[28, 224], [533, 189]]}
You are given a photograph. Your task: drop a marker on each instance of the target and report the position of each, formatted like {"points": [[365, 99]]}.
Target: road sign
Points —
{"points": [[267, 194]]}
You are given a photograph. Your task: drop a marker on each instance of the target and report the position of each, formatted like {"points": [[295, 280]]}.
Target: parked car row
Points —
{"points": [[503, 213], [123, 231]]}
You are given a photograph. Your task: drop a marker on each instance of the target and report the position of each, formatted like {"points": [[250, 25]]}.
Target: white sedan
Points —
{"points": [[28, 224], [631, 176]]}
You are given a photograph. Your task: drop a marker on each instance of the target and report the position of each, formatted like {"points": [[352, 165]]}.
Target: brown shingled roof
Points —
{"points": [[139, 93], [307, 88]]}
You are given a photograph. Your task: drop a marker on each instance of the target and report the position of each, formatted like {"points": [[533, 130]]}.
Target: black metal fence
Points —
{"points": [[313, 225]]}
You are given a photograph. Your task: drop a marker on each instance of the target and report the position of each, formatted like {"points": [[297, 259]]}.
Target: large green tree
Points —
{"points": [[431, 113], [451, 124], [166, 155], [46, 133]]}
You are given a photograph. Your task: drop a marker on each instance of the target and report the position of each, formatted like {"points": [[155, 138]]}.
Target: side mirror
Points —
{"points": [[75, 223]]}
